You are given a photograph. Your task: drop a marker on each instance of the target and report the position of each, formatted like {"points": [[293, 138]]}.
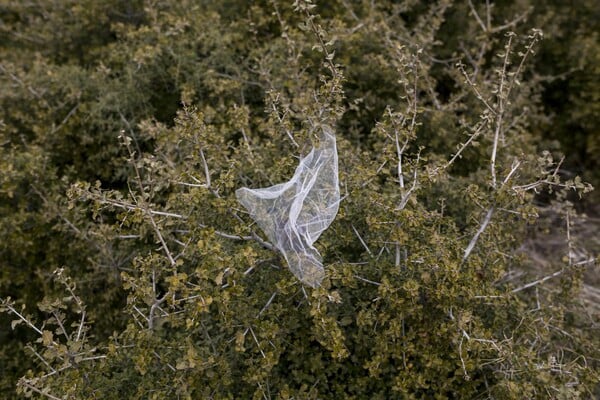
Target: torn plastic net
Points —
{"points": [[295, 213]]}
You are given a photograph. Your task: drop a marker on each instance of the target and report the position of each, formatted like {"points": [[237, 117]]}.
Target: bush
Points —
{"points": [[137, 274]]}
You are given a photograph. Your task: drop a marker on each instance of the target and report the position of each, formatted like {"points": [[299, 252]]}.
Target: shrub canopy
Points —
{"points": [[130, 270]]}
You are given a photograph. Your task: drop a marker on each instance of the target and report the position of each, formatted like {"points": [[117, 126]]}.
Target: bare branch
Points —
{"points": [[26, 383], [155, 305], [477, 17], [267, 304], [42, 359], [21, 317], [539, 281], [473, 86], [360, 278], [412, 188], [473, 136], [361, 240], [500, 110], [482, 227]]}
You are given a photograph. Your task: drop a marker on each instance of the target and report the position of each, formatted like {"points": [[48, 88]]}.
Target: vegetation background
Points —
{"points": [[462, 263]]}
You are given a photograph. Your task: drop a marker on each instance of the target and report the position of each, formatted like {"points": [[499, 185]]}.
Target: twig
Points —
{"points": [[267, 304], [412, 188], [479, 21], [539, 281], [256, 341], [511, 23], [41, 358], [156, 304], [47, 203], [35, 389], [206, 171], [400, 151], [360, 278], [474, 87], [361, 240], [151, 218], [61, 326], [14, 311], [473, 136], [65, 119], [482, 228], [80, 326], [101, 357], [132, 207], [20, 82], [462, 361], [500, 111]]}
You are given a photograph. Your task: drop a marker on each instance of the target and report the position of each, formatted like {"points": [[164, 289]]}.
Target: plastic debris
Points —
{"points": [[295, 213]]}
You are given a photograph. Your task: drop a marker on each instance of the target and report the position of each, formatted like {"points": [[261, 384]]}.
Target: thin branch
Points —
{"points": [[534, 39], [539, 281], [94, 358], [132, 207], [473, 136], [14, 311], [35, 389], [500, 111], [80, 326], [47, 203], [482, 227], [206, 171], [360, 278], [41, 358], [160, 359], [65, 119], [462, 361], [267, 304], [400, 151], [361, 240], [162, 241], [256, 341], [515, 166], [511, 23], [20, 82], [477, 17], [412, 188], [473, 86], [155, 305], [60, 324]]}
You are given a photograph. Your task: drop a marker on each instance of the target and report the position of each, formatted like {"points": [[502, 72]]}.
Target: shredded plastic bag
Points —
{"points": [[295, 213]]}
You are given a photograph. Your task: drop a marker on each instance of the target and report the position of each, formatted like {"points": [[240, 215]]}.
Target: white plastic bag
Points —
{"points": [[295, 213]]}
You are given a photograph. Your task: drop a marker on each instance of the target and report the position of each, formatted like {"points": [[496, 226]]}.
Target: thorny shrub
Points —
{"points": [[163, 287]]}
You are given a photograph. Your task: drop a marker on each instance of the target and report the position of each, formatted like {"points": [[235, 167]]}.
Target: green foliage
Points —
{"points": [[129, 270]]}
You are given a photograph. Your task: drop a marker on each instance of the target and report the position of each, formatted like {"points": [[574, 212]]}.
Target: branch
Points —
{"points": [[482, 227], [132, 207], [361, 240], [413, 186], [474, 87], [537, 282], [14, 311], [35, 389], [477, 17], [473, 136], [500, 111], [155, 305]]}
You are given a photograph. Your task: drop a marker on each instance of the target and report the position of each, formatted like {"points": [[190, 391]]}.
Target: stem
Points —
{"points": [[482, 227]]}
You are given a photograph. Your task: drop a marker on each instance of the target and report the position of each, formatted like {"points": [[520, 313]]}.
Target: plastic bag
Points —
{"points": [[295, 213]]}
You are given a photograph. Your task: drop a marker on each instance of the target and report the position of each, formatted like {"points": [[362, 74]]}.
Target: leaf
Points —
{"points": [[15, 323], [47, 338]]}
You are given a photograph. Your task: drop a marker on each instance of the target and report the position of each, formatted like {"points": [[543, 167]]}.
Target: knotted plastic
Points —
{"points": [[295, 213]]}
